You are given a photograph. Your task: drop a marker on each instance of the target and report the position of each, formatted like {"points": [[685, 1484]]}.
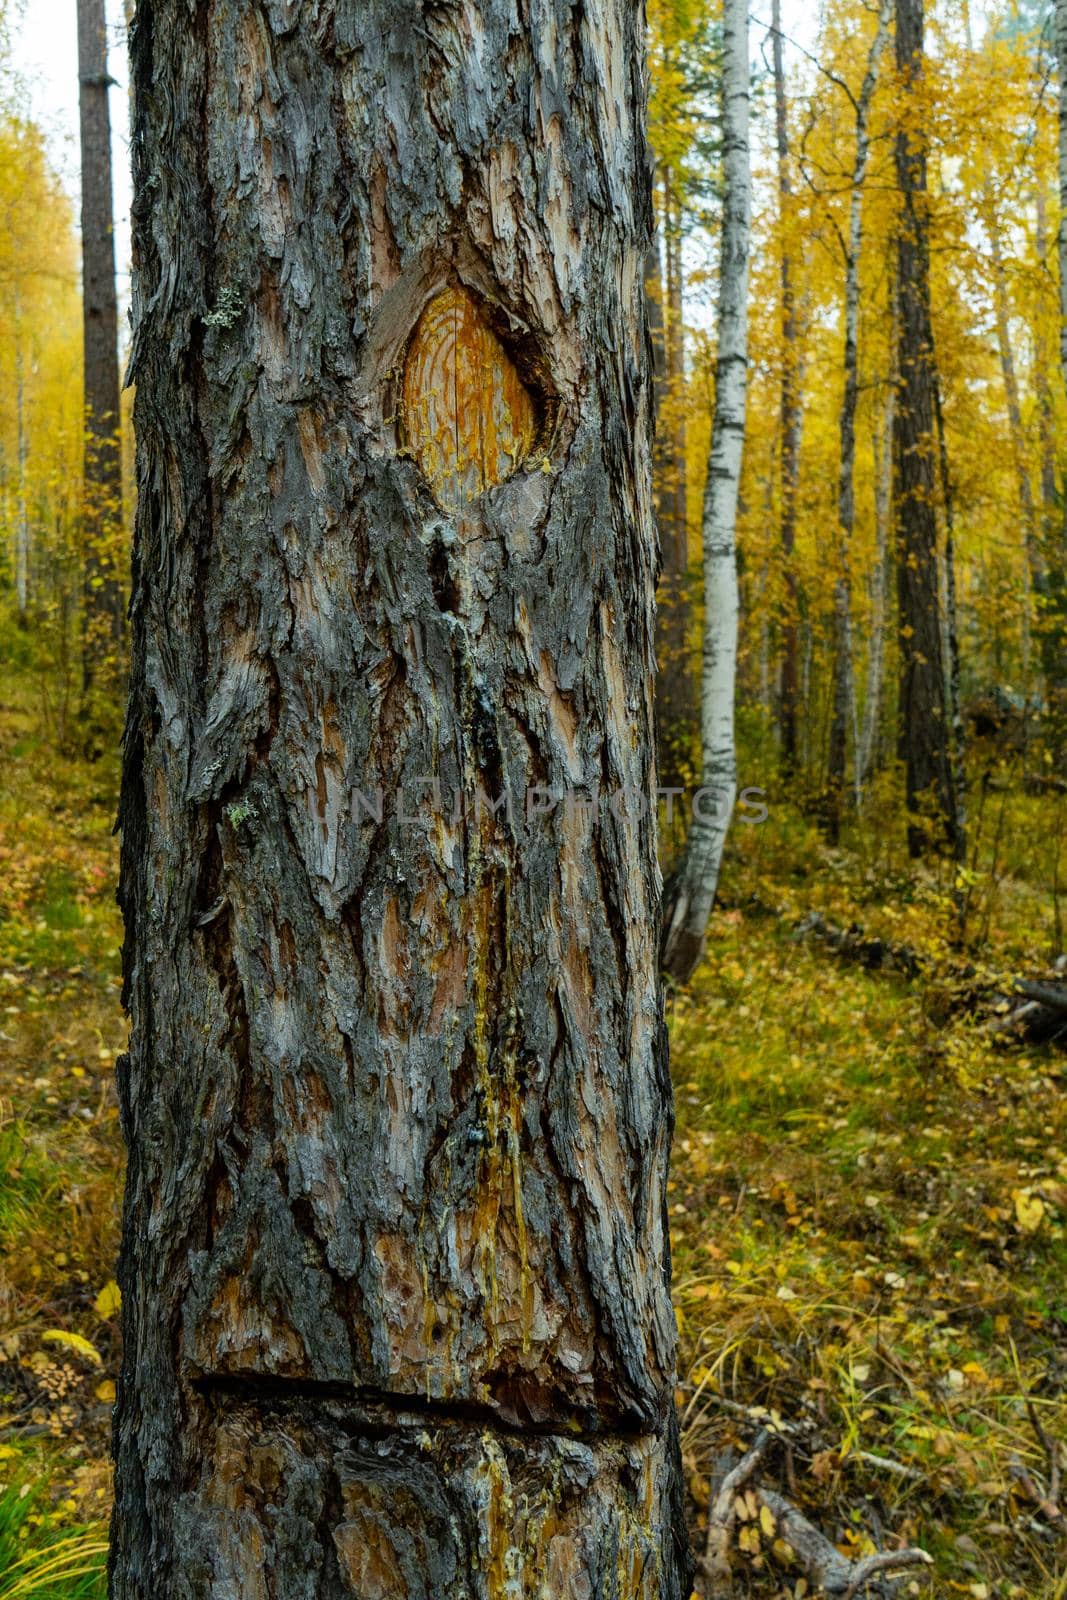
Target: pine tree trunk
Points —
{"points": [[103, 462], [843, 705], [789, 422], [924, 717], [395, 1272], [692, 893]]}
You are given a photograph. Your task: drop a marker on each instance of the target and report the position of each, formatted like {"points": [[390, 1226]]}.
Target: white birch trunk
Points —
{"points": [[689, 905]]}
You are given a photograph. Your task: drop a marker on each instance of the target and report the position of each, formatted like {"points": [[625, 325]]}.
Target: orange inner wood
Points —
{"points": [[468, 417]]}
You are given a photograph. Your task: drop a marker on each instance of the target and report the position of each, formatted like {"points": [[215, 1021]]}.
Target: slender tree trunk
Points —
{"points": [[1050, 584], [1043, 387], [103, 461], [395, 1272], [22, 513], [1061, 238], [676, 374], [951, 635], [924, 715], [869, 745], [674, 699], [654, 305], [692, 893], [789, 422], [843, 682], [1054, 596]]}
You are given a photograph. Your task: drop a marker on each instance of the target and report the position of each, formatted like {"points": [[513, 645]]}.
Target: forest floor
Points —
{"points": [[868, 1198]]}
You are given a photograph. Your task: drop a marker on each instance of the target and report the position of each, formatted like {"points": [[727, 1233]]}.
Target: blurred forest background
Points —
{"points": [[870, 1176]]}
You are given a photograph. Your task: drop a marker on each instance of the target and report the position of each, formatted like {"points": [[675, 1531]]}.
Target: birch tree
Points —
{"points": [[396, 1304], [692, 893]]}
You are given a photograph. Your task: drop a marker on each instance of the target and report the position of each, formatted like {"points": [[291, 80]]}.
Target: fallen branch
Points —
{"points": [[722, 1515], [877, 955], [1046, 994], [1041, 1018], [823, 1563]]}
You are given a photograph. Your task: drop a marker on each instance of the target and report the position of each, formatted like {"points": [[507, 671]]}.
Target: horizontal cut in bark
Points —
{"points": [[326, 1498]]}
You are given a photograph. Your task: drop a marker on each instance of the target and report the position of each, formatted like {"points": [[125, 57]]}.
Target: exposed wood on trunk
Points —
{"points": [[692, 892], [396, 1308], [103, 462], [923, 711], [843, 682]]}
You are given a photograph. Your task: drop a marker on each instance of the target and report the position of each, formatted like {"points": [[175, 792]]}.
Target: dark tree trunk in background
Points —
{"points": [[1054, 591], [844, 690], [395, 1273], [1050, 587], [675, 707], [671, 665], [789, 424], [924, 719], [103, 462]]}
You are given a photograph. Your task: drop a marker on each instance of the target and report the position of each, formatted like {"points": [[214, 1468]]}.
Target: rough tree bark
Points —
{"points": [[396, 1300], [843, 684], [924, 720], [692, 892], [789, 422], [103, 461]]}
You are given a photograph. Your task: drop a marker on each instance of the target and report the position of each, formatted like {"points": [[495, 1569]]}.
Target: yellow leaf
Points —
{"points": [[105, 1391], [108, 1300], [766, 1521], [1029, 1210], [73, 1341]]}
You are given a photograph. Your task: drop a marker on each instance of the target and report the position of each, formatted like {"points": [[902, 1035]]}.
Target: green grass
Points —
{"points": [[868, 1218], [43, 1559]]}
